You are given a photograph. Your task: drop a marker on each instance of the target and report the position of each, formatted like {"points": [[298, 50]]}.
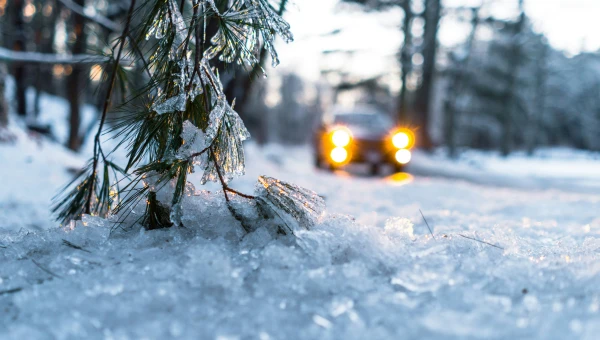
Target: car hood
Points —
{"points": [[367, 134]]}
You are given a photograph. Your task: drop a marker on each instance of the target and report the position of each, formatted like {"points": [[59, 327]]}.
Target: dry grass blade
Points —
{"points": [[428, 227], [480, 241]]}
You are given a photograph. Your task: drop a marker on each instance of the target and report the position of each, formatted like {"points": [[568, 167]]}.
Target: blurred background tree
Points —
{"points": [[501, 87]]}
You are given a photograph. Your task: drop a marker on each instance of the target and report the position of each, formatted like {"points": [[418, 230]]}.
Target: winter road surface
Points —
{"points": [[369, 270]]}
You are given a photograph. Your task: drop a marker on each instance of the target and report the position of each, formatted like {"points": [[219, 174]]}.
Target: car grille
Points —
{"points": [[369, 145]]}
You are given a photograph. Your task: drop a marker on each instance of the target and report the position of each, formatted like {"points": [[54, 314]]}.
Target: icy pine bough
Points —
{"points": [[298, 208], [187, 124]]}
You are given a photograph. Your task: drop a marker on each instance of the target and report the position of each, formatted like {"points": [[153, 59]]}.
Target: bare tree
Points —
{"points": [[512, 94], [432, 17], [18, 44], [458, 74], [405, 61], [3, 104], [541, 73], [76, 81]]}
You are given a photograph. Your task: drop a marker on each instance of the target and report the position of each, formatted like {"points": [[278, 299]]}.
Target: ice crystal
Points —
{"points": [[226, 131], [178, 24], [238, 39], [194, 142], [298, 208], [189, 85], [274, 24], [170, 21], [176, 103]]}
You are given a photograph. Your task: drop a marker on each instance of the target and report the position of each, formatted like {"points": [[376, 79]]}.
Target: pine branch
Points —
{"points": [[97, 147], [51, 58], [97, 18], [184, 114]]}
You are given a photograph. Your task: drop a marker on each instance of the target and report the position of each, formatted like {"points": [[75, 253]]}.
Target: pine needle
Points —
{"points": [[74, 246], [480, 241], [428, 227], [45, 270]]}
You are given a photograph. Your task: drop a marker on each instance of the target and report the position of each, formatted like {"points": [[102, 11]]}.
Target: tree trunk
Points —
{"points": [[511, 102], [76, 82], [18, 44], [540, 98], [423, 97], [456, 88], [3, 103], [405, 62]]}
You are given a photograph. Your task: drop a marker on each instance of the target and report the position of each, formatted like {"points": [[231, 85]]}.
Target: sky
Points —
{"points": [[570, 25]]}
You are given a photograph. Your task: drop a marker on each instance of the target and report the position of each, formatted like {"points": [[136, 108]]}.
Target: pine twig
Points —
{"points": [[223, 184], [428, 227], [105, 108], [239, 193], [480, 241], [234, 213]]}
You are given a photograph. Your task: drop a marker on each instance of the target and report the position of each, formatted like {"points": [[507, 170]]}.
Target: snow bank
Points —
{"points": [[561, 168], [32, 169]]}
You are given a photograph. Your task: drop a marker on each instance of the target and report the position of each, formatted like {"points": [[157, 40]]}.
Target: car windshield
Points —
{"points": [[364, 120]]}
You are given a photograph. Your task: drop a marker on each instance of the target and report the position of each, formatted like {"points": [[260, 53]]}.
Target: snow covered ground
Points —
{"points": [[368, 270], [562, 168]]}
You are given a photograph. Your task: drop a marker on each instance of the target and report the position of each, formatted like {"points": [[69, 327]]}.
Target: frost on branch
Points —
{"points": [[298, 208], [164, 22], [194, 141], [228, 131], [248, 21]]}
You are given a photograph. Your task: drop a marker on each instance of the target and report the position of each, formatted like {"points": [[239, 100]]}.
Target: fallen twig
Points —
{"points": [[45, 270], [72, 245], [474, 239], [428, 227], [11, 291]]}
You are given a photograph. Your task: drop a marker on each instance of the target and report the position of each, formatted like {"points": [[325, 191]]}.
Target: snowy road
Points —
{"points": [[375, 274]]}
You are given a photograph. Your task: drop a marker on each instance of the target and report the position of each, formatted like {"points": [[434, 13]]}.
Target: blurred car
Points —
{"points": [[362, 136]]}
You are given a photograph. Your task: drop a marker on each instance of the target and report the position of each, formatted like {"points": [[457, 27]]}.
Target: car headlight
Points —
{"points": [[341, 138], [403, 156], [401, 140], [339, 155]]}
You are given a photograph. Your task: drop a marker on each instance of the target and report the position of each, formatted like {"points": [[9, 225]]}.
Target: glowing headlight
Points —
{"points": [[401, 140], [340, 138], [339, 155], [403, 156]]}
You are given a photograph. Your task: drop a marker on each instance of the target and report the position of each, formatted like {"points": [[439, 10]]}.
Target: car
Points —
{"points": [[362, 136]]}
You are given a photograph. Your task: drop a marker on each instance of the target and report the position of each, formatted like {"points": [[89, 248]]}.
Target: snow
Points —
{"points": [[31, 172], [368, 269], [49, 58], [564, 168]]}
